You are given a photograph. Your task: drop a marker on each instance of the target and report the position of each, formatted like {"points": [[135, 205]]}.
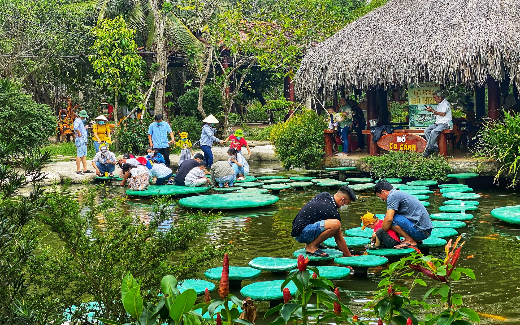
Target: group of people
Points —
{"points": [[319, 220], [349, 117]]}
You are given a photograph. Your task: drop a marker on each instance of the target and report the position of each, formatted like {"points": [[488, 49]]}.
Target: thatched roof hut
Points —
{"points": [[410, 41]]}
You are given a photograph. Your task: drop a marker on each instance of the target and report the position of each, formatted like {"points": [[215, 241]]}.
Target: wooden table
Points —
{"points": [[442, 140]]}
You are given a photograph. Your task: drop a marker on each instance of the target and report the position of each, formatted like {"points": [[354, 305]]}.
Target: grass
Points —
{"points": [[68, 149]]}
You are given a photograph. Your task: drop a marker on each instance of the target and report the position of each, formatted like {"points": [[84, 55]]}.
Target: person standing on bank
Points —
{"points": [[101, 132], [319, 220], [80, 140], [442, 122], [207, 138], [158, 137], [345, 124]]}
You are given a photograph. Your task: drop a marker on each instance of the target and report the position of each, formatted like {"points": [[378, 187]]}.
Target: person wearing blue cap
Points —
{"points": [[80, 140]]}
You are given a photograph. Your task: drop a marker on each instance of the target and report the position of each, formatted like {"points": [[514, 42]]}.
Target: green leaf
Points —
{"points": [[288, 310], [399, 320], [470, 314], [189, 319], [461, 322], [420, 282], [214, 304], [429, 292], [456, 299], [384, 308], [108, 321], [444, 290], [468, 272], [133, 302], [273, 310], [242, 321], [278, 321], [445, 319], [128, 283], [319, 283], [236, 301], [183, 304]]}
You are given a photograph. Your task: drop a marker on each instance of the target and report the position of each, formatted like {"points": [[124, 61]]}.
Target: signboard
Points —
{"points": [[402, 142], [419, 96]]}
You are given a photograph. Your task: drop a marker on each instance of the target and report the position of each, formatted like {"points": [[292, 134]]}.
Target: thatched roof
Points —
{"points": [[409, 41]]}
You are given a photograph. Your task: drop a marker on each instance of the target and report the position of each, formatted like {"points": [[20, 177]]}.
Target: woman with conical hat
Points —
{"points": [[101, 132], [207, 138]]}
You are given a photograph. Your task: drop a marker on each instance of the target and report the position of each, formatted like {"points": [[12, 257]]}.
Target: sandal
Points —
{"points": [[317, 253], [87, 171], [79, 173], [405, 245]]}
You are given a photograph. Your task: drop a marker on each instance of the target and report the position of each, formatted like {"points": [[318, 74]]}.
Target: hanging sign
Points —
{"points": [[402, 142], [419, 96]]}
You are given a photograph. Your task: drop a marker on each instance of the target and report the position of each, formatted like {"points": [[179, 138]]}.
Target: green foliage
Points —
{"points": [[299, 141], [399, 112], [190, 124], [500, 140], [132, 135], [211, 102], [408, 164], [257, 133], [68, 149], [24, 124]]}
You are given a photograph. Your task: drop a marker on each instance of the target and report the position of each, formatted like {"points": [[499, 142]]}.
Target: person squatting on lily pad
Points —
{"points": [[405, 215], [380, 238], [319, 220], [239, 164], [223, 174], [196, 176], [104, 162]]}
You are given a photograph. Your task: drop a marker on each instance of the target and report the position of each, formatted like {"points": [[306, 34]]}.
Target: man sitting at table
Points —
{"points": [[442, 122]]}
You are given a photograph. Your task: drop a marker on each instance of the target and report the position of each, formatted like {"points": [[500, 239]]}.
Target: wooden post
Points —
{"points": [[329, 138], [493, 98], [335, 99], [480, 102], [515, 94], [371, 114]]}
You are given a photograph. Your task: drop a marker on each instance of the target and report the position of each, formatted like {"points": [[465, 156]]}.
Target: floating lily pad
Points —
{"points": [[390, 251], [459, 189], [417, 191], [225, 201], [302, 178], [422, 183], [323, 180], [362, 261], [463, 175], [270, 177], [359, 180], [443, 232], [461, 196], [273, 264], [198, 285], [432, 242], [452, 185], [425, 203], [267, 290], [357, 232], [391, 180], [362, 187], [340, 168], [235, 273], [300, 184], [160, 190], [451, 216], [448, 224], [459, 202], [276, 181], [351, 241], [276, 187], [333, 253], [331, 183], [457, 208], [333, 272], [421, 197], [413, 187], [250, 184], [509, 214], [253, 190], [248, 179], [227, 189]]}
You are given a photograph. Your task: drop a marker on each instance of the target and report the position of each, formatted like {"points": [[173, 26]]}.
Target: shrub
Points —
{"points": [[132, 135], [212, 101], [299, 141], [500, 140], [190, 124], [279, 108], [399, 112], [408, 164], [24, 124], [256, 113], [69, 149]]}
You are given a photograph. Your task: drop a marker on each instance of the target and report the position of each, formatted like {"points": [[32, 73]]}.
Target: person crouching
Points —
{"points": [[196, 176]]}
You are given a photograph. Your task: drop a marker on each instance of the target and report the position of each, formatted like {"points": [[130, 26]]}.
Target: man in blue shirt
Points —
{"points": [[80, 140], [405, 215], [158, 137]]}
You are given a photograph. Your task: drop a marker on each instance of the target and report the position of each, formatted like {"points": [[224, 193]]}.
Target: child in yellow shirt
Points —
{"points": [[185, 144]]}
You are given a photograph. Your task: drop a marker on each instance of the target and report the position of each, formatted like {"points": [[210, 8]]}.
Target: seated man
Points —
{"points": [[196, 176], [104, 162], [380, 237], [405, 215], [185, 168], [442, 122], [161, 172], [319, 220], [222, 173]]}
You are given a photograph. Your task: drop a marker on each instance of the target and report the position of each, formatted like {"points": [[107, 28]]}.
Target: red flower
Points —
{"points": [[314, 276], [219, 319], [355, 318], [207, 297], [337, 306], [302, 262], [223, 289], [379, 322], [286, 295], [409, 321]]}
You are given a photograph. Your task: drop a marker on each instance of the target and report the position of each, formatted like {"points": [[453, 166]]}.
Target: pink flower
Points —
{"points": [[223, 289]]}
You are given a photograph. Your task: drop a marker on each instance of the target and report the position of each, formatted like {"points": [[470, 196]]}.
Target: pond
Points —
{"points": [[492, 248]]}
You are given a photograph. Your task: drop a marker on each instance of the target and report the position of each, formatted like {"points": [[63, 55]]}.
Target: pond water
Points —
{"points": [[492, 248]]}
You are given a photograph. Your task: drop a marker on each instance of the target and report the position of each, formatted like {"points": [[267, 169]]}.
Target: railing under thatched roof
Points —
{"points": [[410, 41]]}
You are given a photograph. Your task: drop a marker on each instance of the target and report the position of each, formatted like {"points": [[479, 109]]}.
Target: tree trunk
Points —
{"points": [[118, 115], [203, 81], [161, 58]]}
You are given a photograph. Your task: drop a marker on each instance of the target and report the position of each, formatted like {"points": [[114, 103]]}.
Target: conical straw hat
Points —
{"points": [[210, 119]]}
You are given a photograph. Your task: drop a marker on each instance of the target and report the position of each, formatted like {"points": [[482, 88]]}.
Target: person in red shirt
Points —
{"points": [[238, 141], [380, 237]]}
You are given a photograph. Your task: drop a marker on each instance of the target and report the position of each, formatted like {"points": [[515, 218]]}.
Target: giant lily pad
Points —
{"points": [[302, 178], [227, 189], [413, 187], [421, 197], [463, 175], [431, 242], [425, 203], [459, 189], [390, 251], [250, 184], [341, 168], [253, 190], [351, 241], [357, 232], [323, 180], [362, 261], [448, 224], [235, 273], [228, 201], [391, 180], [333, 253], [451, 216], [331, 183], [459, 202], [163, 190], [444, 232], [362, 187], [509, 214], [276, 180], [422, 183], [274, 264], [276, 187], [452, 185], [300, 184], [457, 208], [267, 290], [198, 285], [359, 180], [270, 177], [248, 179], [461, 196], [333, 272], [417, 191]]}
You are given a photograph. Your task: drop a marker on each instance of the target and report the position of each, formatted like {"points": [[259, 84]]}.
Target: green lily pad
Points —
{"points": [[456, 189], [323, 180], [247, 180], [431, 242], [421, 197], [333, 272], [331, 183], [362, 261], [452, 185], [425, 203], [414, 187], [509, 214], [164, 190], [443, 232], [391, 180], [463, 175], [251, 184], [273, 264], [302, 178], [461, 196], [198, 285], [457, 208], [422, 183], [266, 290], [357, 232], [459, 202], [448, 224], [227, 189], [341, 168], [390, 251], [235, 273], [351, 241], [359, 180], [276, 187], [107, 178], [451, 216], [276, 180], [253, 190], [362, 187], [300, 184], [227, 202], [270, 177], [333, 253], [417, 191]]}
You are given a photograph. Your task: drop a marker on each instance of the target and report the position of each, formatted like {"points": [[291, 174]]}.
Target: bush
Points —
{"points": [[408, 164], [132, 135], [279, 108], [500, 140], [69, 149], [24, 124], [211, 102], [399, 112], [256, 113], [299, 141]]}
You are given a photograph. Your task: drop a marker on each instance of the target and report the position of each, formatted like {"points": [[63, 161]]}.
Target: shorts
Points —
{"points": [[311, 232], [409, 228], [81, 149]]}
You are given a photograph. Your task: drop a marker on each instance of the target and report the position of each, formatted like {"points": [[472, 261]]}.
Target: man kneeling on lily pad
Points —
{"points": [[319, 220]]}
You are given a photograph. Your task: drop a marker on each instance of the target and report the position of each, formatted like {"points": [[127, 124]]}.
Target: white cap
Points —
{"points": [[210, 119], [101, 117]]}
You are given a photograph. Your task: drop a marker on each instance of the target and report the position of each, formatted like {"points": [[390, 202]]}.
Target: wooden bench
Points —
{"points": [[442, 140]]}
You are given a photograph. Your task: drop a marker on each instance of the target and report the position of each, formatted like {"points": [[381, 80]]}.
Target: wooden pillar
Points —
{"points": [[335, 99], [480, 102], [371, 115], [382, 106], [515, 94], [288, 89], [493, 98], [329, 139]]}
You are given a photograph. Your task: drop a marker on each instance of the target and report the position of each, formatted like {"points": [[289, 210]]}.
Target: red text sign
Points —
{"points": [[402, 142]]}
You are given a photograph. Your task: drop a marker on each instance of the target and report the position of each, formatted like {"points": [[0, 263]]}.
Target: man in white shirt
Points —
{"points": [[196, 176], [442, 122]]}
